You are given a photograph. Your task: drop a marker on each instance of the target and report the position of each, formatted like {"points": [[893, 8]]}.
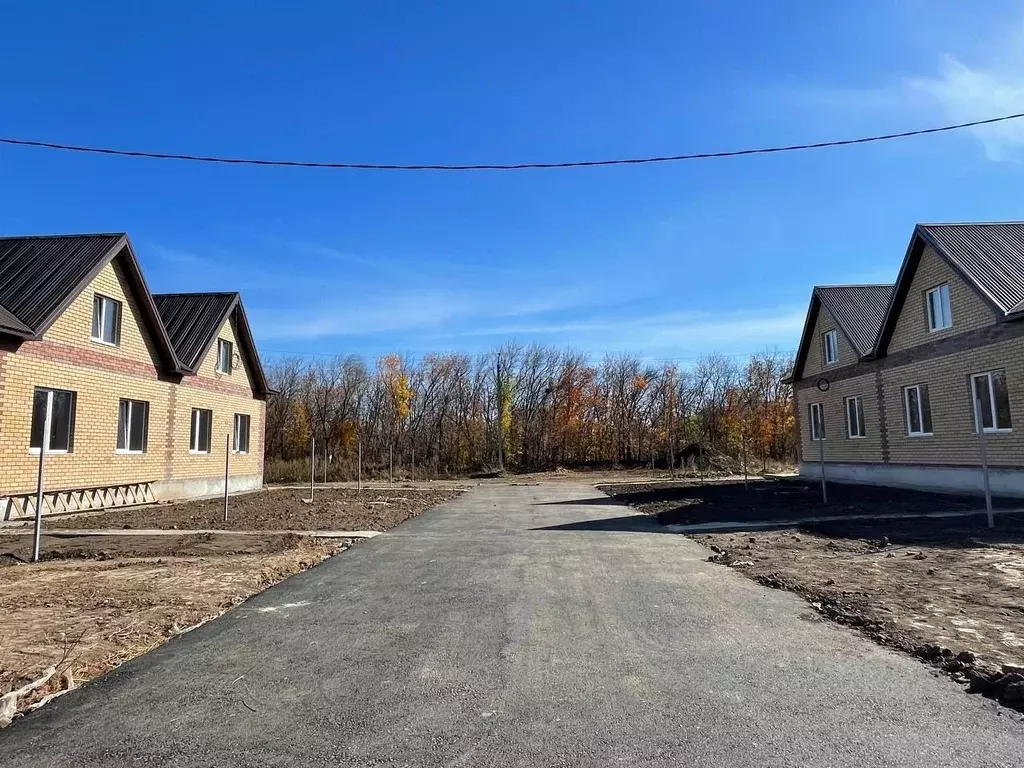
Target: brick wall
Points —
{"points": [[838, 445], [815, 362], [101, 374], [969, 311]]}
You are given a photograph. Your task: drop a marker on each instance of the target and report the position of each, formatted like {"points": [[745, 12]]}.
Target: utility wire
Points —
{"points": [[503, 167]]}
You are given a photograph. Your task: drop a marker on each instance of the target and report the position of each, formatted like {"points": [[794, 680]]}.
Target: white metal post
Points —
{"points": [[359, 466], [743, 438], [312, 466], [821, 454], [227, 468], [44, 446], [983, 451], [391, 464]]}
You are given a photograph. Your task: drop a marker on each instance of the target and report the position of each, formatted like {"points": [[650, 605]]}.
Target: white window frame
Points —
{"points": [[833, 347], [126, 451], [941, 295], [224, 344], [991, 402], [194, 433], [820, 408], [850, 424], [98, 300], [235, 433], [47, 421], [920, 411]]}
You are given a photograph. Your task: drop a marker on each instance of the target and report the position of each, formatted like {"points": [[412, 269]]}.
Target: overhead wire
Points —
{"points": [[12, 141]]}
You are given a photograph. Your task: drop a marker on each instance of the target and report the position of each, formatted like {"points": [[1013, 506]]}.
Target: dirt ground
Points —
{"points": [[945, 589], [334, 509], [96, 601]]}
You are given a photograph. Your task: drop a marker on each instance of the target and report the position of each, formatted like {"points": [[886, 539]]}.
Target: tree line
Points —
{"points": [[524, 408]]}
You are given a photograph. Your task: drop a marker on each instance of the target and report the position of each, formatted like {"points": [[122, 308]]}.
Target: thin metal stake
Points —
{"points": [[227, 469], [391, 464], [359, 467], [821, 453], [43, 447], [743, 438], [983, 450], [312, 466]]}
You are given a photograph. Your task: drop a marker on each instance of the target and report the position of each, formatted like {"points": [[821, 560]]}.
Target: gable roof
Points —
{"points": [[193, 321], [41, 275], [988, 256], [858, 311]]}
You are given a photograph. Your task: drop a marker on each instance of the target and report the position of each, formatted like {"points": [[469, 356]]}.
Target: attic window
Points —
{"points": [[106, 320], [940, 316], [831, 343], [224, 350]]}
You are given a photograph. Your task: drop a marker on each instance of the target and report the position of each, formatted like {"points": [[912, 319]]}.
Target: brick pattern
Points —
{"points": [[838, 445], [954, 440], [101, 374], [968, 309], [815, 362]]}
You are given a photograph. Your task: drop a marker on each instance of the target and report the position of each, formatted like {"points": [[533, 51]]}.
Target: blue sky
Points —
{"points": [[669, 261]]}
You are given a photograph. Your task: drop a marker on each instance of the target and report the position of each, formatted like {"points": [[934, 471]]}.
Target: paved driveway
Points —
{"points": [[509, 629]]}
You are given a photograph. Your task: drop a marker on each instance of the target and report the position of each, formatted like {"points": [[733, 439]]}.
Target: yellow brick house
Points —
{"points": [[898, 384], [143, 395]]}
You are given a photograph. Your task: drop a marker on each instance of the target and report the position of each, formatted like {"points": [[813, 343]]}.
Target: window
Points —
{"points": [[855, 417], [817, 421], [939, 315], [132, 426], [224, 349], [59, 406], [990, 389], [831, 342], [240, 442], [106, 320], [199, 439], [918, 410]]}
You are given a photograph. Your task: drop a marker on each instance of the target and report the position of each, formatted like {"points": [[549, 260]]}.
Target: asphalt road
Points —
{"points": [[508, 628]]}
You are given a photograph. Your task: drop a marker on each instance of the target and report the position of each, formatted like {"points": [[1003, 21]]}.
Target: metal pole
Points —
{"points": [[743, 439], [44, 444], [391, 464], [312, 465], [227, 468], [412, 472], [983, 450], [359, 466], [325, 462], [821, 454], [501, 413]]}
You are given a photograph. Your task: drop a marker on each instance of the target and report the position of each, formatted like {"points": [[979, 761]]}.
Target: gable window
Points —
{"points": [[224, 350], [855, 417], [240, 441], [831, 342], [918, 410], [940, 316], [132, 426], [199, 437], [57, 406], [106, 320], [817, 421], [994, 406]]}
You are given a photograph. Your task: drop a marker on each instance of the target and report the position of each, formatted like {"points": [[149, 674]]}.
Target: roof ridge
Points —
{"points": [[968, 223], [199, 293], [67, 234], [857, 285]]}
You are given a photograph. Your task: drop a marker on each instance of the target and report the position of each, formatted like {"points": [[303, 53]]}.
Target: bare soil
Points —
{"points": [[334, 509], [947, 590]]}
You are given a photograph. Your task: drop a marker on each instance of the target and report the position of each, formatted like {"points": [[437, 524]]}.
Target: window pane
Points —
{"points": [[111, 317], [861, 431], [926, 409], [122, 424], [851, 417], [193, 432], [60, 421], [947, 314], [1002, 400], [38, 418], [204, 430], [982, 393], [97, 310], [137, 426], [933, 310], [913, 410]]}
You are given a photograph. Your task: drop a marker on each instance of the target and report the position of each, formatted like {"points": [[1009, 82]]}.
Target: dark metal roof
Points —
{"points": [[192, 320], [859, 310], [40, 275], [990, 255], [9, 322]]}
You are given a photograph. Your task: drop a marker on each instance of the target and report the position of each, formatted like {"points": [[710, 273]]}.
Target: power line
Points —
{"points": [[501, 167]]}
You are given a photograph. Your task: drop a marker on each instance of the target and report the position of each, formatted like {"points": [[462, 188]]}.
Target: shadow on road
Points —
{"points": [[625, 523]]}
